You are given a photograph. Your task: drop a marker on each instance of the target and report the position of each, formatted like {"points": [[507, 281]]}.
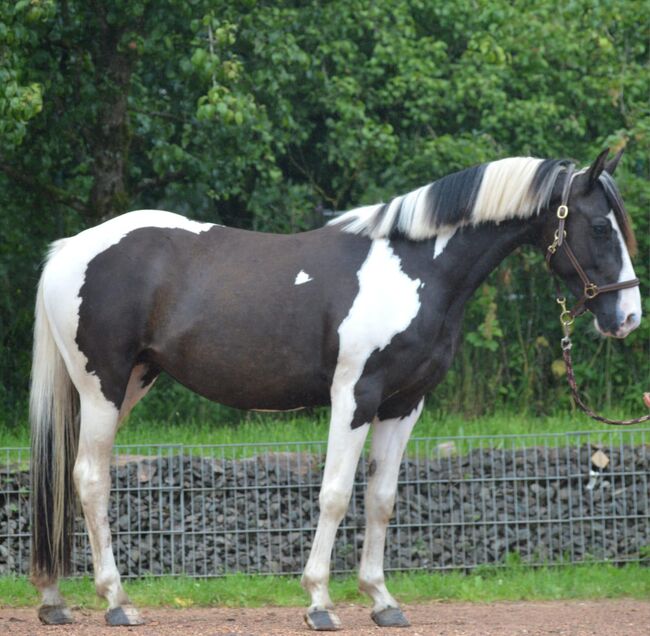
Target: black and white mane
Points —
{"points": [[516, 187]]}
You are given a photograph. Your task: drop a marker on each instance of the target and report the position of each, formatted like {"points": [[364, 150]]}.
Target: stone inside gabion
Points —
{"points": [[209, 516]]}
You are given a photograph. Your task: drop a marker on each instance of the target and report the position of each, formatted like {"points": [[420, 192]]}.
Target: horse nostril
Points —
{"points": [[632, 321]]}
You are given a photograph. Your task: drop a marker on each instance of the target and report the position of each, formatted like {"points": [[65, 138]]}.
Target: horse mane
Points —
{"points": [[516, 187], [623, 219]]}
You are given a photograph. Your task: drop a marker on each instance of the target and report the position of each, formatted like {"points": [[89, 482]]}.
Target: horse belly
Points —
{"points": [[247, 368], [251, 341]]}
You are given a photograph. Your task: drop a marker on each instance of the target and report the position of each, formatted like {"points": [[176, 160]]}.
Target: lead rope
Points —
{"points": [[567, 320]]}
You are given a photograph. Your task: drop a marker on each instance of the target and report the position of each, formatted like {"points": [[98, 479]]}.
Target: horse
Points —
{"points": [[363, 314]]}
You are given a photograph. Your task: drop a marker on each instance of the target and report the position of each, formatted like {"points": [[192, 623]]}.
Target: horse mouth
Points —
{"points": [[622, 332]]}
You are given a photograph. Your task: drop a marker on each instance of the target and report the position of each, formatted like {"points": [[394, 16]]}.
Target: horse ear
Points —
{"points": [[610, 166], [597, 167]]}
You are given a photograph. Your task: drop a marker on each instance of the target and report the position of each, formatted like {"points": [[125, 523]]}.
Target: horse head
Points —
{"points": [[591, 244]]}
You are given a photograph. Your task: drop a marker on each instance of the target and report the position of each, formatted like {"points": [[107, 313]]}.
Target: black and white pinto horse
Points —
{"points": [[363, 314]]}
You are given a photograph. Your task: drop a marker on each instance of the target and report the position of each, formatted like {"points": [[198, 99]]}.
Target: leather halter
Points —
{"points": [[590, 289]]}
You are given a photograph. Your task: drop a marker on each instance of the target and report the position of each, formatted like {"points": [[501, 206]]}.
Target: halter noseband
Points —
{"points": [[590, 289]]}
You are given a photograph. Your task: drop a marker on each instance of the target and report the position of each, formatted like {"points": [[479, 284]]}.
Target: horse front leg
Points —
{"points": [[344, 446], [389, 438], [92, 478]]}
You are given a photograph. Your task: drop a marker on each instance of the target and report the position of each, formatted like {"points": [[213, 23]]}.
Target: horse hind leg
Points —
{"points": [[99, 422], [389, 438]]}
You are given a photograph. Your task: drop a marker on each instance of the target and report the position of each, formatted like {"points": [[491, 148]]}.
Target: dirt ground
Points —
{"points": [[565, 618]]}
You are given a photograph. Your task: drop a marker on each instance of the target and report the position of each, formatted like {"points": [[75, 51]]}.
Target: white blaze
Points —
{"points": [[629, 300]]}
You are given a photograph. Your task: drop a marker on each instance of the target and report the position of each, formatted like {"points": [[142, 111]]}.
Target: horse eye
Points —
{"points": [[601, 229]]}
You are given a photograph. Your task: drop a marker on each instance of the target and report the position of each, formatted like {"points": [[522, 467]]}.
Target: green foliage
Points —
{"points": [[20, 99], [253, 114]]}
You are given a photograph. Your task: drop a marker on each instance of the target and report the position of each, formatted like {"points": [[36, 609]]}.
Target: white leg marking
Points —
{"points": [[389, 438], [50, 595], [92, 477]]}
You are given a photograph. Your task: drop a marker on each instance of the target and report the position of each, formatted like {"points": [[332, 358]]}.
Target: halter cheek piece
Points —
{"points": [[590, 290]]}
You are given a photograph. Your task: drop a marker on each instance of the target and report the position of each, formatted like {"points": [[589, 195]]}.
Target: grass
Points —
{"points": [[486, 584], [267, 428]]}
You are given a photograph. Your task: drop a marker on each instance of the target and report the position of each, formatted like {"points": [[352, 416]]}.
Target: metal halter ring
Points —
{"points": [[562, 212], [566, 317], [591, 290]]}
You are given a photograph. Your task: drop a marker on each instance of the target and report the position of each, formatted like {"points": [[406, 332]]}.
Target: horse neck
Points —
{"points": [[475, 252]]}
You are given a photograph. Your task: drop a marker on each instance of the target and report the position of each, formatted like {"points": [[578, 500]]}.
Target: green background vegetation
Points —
{"points": [[259, 114]]}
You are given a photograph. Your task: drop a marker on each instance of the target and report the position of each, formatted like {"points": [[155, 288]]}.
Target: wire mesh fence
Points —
{"points": [[462, 502]]}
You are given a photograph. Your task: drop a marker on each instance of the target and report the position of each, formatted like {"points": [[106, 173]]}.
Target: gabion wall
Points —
{"points": [[213, 510]]}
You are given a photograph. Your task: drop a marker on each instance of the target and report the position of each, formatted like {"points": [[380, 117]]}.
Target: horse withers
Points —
{"points": [[363, 314]]}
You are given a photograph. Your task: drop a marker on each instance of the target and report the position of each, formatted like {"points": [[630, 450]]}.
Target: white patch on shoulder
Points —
{"points": [[442, 238], [302, 277], [385, 306], [65, 272]]}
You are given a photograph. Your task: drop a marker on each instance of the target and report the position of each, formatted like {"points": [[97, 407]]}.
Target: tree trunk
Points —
{"points": [[111, 139]]}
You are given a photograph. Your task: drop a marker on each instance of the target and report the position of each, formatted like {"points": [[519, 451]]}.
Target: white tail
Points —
{"points": [[53, 410]]}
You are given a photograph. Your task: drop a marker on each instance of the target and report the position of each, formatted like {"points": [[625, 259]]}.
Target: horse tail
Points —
{"points": [[53, 412]]}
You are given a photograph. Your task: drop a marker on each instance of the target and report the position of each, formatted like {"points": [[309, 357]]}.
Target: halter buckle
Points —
{"points": [[552, 248], [566, 317], [562, 211], [591, 290]]}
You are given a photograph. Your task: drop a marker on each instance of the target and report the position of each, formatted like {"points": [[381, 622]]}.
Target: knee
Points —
{"points": [[334, 502], [90, 482], [380, 503]]}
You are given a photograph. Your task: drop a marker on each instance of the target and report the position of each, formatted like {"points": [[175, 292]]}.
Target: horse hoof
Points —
{"points": [[323, 620], [55, 615], [390, 617], [123, 615]]}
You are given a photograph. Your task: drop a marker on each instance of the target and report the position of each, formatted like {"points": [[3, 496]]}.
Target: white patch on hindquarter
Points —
{"points": [[629, 300], [442, 238], [386, 304], [302, 277], [65, 272]]}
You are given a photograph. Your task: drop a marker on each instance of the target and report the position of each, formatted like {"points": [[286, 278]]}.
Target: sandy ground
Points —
{"points": [[570, 618]]}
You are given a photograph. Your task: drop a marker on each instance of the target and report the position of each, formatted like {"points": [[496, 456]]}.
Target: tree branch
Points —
{"points": [[28, 181], [155, 182]]}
